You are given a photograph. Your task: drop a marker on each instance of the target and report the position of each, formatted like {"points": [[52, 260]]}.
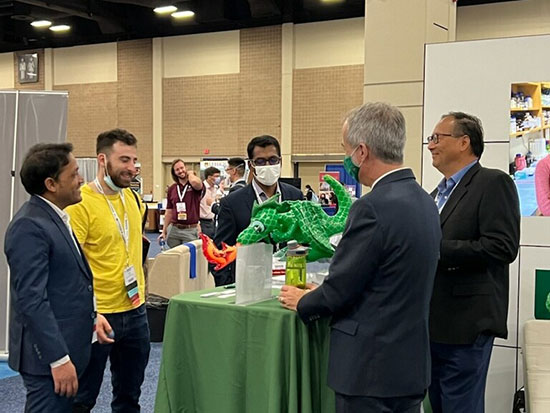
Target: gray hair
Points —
{"points": [[381, 127]]}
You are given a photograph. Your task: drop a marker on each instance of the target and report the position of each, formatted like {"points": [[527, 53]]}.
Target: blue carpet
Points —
{"points": [[154, 248], [13, 392], [5, 371]]}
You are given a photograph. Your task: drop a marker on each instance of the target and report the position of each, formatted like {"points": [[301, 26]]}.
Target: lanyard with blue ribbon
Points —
{"points": [[192, 259]]}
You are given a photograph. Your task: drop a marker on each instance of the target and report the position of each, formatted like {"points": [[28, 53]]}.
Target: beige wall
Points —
{"points": [[85, 64], [210, 92], [509, 19], [7, 75]]}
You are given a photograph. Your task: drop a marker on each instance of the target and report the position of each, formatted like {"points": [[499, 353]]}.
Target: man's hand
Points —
{"points": [[103, 328], [290, 296], [65, 380]]}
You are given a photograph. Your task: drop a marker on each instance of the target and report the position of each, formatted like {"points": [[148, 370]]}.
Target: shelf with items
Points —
{"points": [[526, 111], [526, 131]]}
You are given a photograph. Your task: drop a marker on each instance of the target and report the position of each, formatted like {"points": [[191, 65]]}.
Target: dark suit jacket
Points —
{"points": [[239, 184], [51, 292], [378, 292], [480, 224], [234, 216]]}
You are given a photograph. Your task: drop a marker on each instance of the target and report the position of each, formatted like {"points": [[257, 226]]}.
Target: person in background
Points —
{"points": [[264, 158], [480, 221], [235, 171], [310, 194], [50, 329], [181, 221], [107, 224], [542, 186], [137, 181], [207, 217], [381, 276]]}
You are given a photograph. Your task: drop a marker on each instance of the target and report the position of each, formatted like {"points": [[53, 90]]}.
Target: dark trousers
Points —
{"points": [[128, 355], [208, 227], [225, 276], [41, 396], [361, 404], [459, 374]]}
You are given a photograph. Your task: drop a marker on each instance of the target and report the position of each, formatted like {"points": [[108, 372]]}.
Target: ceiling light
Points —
{"points": [[60, 28], [183, 14], [165, 9], [41, 23]]}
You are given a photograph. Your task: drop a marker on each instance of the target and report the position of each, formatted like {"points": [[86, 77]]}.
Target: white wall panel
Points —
{"points": [[475, 77], [85, 64], [535, 231], [513, 310], [501, 380], [202, 54]]}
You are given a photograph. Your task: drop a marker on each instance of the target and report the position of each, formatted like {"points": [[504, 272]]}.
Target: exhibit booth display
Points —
{"points": [[478, 77], [26, 118]]}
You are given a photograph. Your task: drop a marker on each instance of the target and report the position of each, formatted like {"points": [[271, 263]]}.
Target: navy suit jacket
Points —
{"points": [[51, 289], [480, 223], [235, 212], [378, 292]]}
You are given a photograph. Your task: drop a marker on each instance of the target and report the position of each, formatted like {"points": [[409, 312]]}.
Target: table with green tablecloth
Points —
{"points": [[219, 357]]}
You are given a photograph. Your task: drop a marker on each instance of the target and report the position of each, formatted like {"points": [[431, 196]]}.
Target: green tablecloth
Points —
{"points": [[222, 358]]}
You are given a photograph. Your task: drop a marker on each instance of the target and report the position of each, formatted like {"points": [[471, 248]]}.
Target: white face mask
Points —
{"points": [[268, 174]]}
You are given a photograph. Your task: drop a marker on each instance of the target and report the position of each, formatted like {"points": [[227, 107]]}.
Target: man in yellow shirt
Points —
{"points": [[107, 224]]}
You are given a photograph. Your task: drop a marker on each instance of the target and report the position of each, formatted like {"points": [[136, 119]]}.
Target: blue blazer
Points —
{"points": [[51, 289], [378, 292]]}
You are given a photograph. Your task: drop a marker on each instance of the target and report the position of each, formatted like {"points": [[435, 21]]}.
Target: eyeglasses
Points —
{"points": [[436, 137], [274, 160]]}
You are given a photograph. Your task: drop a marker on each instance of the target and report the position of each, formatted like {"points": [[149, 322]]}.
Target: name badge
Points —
{"points": [[131, 284], [181, 209]]}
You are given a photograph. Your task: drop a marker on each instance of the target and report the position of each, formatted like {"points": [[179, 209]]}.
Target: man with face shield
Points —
{"points": [[264, 158], [211, 183], [107, 224]]}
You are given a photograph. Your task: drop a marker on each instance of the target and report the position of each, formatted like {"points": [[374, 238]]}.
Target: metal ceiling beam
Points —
{"points": [[107, 24]]}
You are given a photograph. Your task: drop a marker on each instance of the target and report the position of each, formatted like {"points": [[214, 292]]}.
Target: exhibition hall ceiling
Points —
{"points": [[80, 22]]}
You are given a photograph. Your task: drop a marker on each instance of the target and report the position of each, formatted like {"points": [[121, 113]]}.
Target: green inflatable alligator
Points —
{"points": [[303, 221]]}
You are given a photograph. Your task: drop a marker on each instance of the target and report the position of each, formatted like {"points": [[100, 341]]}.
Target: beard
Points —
{"points": [[117, 178]]}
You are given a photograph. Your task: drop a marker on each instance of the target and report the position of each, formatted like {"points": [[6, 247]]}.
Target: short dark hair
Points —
{"points": [[106, 140], [211, 170], [174, 162], [466, 124], [42, 161], [238, 164], [262, 141]]}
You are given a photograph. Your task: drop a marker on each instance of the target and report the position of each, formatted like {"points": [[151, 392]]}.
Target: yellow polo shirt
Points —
{"points": [[98, 234]]}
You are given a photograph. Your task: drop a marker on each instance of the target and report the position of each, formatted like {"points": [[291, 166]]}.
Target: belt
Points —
{"points": [[185, 226], [207, 219]]}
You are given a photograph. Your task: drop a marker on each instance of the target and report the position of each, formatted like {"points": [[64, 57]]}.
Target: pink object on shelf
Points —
{"points": [[520, 162], [542, 185]]}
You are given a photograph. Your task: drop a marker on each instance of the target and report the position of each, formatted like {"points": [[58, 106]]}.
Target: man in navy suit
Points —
{"points": [[380, 281], [52, 312], [480, 222], [264, 159]]}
